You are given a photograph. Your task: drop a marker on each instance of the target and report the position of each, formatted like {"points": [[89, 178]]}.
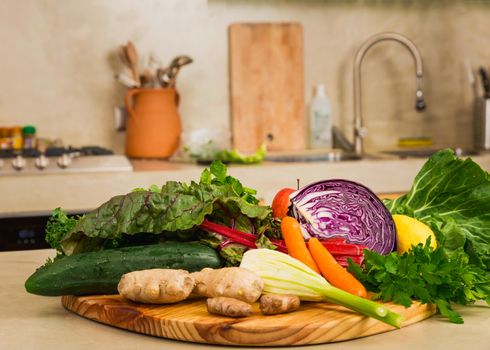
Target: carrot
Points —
{"points": [[334, 273], [291, 232]]}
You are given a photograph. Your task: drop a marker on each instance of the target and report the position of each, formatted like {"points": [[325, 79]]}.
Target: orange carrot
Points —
{"points": [[291, 232], [334, 273]]}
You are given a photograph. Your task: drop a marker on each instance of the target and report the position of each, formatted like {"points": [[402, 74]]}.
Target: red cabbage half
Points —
{"points": [[341, 208]]}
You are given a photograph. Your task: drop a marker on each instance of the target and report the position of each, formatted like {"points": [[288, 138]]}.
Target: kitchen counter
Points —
{"points": [[39, 194], [33, 322]]}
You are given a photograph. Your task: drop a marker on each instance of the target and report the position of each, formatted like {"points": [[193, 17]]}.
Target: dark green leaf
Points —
{"points": [[402, 299], [428, 275], [232, 254], [230, 156], [391, 266], [263, 241], [58, 226], [452, 196], [218, 169], [174, 211], [205, 177], [446, 311]]}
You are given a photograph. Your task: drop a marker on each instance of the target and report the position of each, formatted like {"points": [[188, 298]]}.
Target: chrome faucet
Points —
{"points": [[360, 131]]}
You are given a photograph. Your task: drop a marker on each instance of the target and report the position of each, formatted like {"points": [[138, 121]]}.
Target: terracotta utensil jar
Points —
{"points": [[153, 128]]}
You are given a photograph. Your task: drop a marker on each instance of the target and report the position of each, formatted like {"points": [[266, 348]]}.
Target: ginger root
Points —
{"points": [[228, 307], [232, 282], [271, 304], [156, 286]]}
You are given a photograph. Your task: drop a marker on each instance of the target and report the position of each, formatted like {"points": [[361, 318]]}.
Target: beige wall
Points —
{"points": [[57, 61]]}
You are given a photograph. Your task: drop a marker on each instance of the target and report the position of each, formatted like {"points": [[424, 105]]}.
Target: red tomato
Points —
{"points": [[280, 203]]}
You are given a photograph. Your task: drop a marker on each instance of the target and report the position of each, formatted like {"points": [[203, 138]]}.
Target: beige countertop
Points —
{"points": [[33, 322], [80, 192]]}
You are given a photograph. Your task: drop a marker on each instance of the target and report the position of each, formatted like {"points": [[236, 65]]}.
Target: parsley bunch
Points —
{"points": [[428, 275]]}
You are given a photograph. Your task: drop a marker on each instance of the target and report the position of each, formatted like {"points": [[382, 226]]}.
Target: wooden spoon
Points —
{"points": [[132, 56], [121, 52]]}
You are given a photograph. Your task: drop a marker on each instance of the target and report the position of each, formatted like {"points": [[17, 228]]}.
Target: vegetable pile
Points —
{"points": [[175, 211], [297, 249], [452, 197]]}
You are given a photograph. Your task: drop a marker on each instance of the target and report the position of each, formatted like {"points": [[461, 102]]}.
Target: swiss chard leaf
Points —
{"points": [[174, 208], [452, 196]]}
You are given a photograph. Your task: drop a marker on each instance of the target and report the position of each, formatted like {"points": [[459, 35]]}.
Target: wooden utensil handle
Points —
{"points": [[134, 73]]}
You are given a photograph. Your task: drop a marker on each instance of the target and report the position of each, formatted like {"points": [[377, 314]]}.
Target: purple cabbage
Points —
{"points": [[344, 209]]}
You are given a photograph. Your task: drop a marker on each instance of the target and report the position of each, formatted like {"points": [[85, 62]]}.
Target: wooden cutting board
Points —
{"points": [[313, 323], [267, 86]]}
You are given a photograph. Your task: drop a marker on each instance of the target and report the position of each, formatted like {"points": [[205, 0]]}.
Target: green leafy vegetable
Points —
{"points": [[58, 226], [153, 188], [230, 156], [173, 211], [232, 254], [234, 156], [425, 274], [452, 196], [283, 274]]}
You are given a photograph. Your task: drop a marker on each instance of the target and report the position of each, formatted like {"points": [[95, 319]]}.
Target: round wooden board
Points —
{"points": [[313, 323]]}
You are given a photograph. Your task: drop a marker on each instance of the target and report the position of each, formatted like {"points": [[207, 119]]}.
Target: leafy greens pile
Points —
{"points": [[208, 153], [425, 274], [451, 196], [171, 212]]}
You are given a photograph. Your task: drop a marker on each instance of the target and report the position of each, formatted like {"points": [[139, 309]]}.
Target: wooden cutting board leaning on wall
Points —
{"points": [[267, 86]]}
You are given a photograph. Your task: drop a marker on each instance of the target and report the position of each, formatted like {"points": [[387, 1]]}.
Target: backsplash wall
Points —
{"points": [[58, 62]]}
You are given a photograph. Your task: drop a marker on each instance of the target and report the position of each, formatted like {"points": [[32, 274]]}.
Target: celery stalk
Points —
{"points": [[283, 274], [363, 306]]}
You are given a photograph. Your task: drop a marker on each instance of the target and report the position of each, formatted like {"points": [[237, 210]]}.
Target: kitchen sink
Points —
{"points": [[338, 155], [427, 152], [313, 156]]}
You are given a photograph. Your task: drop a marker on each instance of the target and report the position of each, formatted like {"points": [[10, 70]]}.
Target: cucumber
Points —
{"points": [[99, 272]]}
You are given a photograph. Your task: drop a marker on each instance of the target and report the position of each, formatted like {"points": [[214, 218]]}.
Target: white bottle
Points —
{"points": [[320, 119]]}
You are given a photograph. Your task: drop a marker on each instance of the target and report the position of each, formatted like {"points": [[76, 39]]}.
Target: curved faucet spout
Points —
{"points": [[359, 130]]}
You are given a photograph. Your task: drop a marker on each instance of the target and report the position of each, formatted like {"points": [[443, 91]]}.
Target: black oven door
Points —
{"points": [[23, 232]]}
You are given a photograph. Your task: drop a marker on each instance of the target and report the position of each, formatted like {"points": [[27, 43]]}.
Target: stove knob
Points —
{"points": [[19, 163], [64, 161], [42, 162]]}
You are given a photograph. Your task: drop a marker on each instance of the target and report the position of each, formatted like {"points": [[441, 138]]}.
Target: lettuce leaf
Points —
{"points": [[234, 156], [58, 226], [230, 155], [176, 209], [452, 196]]}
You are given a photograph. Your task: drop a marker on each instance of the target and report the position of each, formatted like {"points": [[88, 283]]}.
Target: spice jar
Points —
{"points": [[29, 133], [5, 140], [17, 138]]}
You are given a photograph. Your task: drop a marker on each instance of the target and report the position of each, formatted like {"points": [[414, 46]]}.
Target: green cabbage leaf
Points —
{"points": [[452, 196]]}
